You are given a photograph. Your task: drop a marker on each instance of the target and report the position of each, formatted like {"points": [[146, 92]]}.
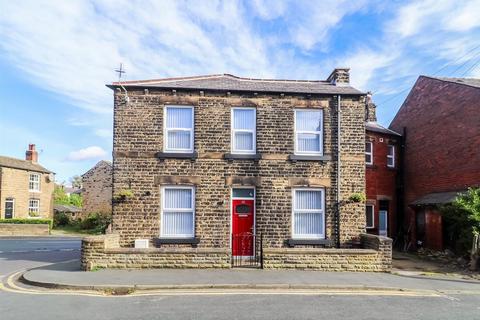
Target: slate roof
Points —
{"points": [[437, 198], [66, 208], [228, 82], [472, 82], [22, 164], [376, 127]]}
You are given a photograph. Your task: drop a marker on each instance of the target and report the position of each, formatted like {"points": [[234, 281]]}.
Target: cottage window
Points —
{"points": [[370, 217], [243, 130], [179, 129], [33, 207], [309, 132], [369, 153], [308, 213], [391, 156], [178, 212], [34, 182]]}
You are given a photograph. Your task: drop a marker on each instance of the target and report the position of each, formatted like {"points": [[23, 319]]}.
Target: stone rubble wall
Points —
{"points": [[105, 252]]}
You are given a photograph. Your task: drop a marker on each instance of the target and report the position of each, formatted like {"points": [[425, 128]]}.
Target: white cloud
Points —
{"points": [[92, 152], [104, 133]]}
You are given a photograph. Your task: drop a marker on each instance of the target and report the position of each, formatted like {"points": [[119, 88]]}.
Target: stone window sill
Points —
{"points": [[296, 157], [193, 241], [176, 155], [233, 156], [300, 242]]}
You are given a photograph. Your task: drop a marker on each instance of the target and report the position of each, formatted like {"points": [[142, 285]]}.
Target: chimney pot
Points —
{"points": [[31, 154]]}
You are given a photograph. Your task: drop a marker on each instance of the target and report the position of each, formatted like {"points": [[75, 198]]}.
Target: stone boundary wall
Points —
{"points": [[375, 256], [13, 229], [105, 252]]}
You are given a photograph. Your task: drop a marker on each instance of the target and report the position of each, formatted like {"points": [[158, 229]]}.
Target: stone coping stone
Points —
{"points": [[318, 251], [127, 250]]}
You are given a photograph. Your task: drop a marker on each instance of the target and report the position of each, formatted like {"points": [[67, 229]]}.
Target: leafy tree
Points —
{"points": [[76, 200], [462, 220], [76, 181], [59, 195]]}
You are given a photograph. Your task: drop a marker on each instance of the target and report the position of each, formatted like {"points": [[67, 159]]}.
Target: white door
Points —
{"points": [[383, 223]]}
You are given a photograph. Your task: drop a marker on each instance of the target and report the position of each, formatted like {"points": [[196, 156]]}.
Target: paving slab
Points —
{"points": [[69, 275]]}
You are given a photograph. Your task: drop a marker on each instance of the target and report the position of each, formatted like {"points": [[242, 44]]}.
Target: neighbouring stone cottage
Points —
{"points": [[97, 189], [26, 187], [212, 170]]}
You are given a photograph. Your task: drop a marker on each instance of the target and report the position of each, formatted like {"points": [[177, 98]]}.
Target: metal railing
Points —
{"points": [[247, 250]]}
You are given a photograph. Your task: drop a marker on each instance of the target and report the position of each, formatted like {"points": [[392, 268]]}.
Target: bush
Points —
{"points": [[60, 219], [96, 221], [29, 221]]}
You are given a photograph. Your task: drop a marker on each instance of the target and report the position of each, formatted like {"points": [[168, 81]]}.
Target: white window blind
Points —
{"points": [[179, 129], [243, 130], [391, 156], [34, 182], [178, 212], [369, 153], [309, 132], [308, 213]]}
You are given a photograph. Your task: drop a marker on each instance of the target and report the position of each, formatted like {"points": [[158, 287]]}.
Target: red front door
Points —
{"points": [[242, 227]]}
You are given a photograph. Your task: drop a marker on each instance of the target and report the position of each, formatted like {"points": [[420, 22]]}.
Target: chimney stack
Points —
{"points": [[31, 154], [340, 77], [370, 109]]}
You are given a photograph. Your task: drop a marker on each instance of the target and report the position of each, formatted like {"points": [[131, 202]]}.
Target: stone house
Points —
{"points": [[26, 188], [383, 173], [97, 189], [220, 168], [440, 120]]}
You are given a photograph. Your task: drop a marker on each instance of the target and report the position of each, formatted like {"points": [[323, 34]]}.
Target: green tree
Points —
{"points": [[59, 195], [462, 220], [76, 200], [76, 181]]}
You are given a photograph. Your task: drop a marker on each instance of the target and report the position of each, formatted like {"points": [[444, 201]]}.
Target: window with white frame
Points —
{"points": [[370, 216], [33, 207], [243, 130], [34, 182], [391, 156], [178, 212], [369, 153], [308, 213], [309, 132], [179, 132]]}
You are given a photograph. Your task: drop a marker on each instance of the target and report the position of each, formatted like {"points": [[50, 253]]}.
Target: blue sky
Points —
{"points": [[56, 56]]}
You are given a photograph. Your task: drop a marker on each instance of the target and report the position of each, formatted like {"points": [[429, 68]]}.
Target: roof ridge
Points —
{"points": [[455, 80], [200, 77]]}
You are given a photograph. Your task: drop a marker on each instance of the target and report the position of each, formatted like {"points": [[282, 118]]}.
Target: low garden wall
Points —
{"points": [[105, 252], [24, 229], [375, 256]]}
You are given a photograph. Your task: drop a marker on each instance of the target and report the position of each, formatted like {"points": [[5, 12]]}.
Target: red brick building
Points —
{"points": [[382, 150], [440, 121]]}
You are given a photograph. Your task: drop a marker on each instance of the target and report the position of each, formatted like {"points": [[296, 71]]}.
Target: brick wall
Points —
{"points": [[442, 137], [11, 229], [15, 184], [138, 135], [97, 189], [381, 180]]}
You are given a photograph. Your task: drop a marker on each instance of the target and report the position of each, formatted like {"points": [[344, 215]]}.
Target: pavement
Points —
{"points": [[19, 301], [68, 275]]}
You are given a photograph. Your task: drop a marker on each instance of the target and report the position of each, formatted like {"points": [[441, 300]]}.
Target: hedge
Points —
{"points": [[29, 221]]}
